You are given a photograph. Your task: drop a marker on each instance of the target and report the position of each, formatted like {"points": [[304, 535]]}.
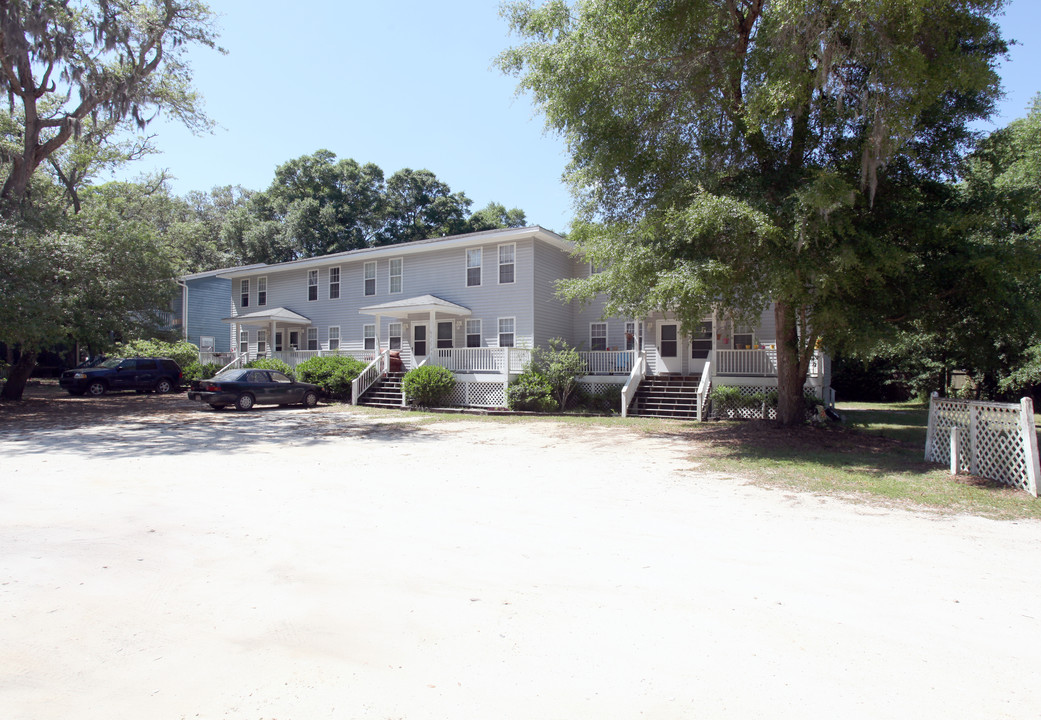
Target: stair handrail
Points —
{"points": [[636, 376], [234, 361], [704, 388], [368, 377]]}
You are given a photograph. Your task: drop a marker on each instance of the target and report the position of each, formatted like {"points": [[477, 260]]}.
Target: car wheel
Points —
{"points": [[163, 386], [217, 406], [310, 398], [96, 388], [245, 402]]}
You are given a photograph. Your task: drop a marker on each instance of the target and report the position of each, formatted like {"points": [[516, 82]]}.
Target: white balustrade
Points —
{"points": [[608, 362]]}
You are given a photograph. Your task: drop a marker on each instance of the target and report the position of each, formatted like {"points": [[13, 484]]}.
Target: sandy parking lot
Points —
{"points": [[286, 564]]}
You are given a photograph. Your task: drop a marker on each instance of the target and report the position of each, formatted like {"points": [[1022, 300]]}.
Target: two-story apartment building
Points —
{"points": [[473, 303]]}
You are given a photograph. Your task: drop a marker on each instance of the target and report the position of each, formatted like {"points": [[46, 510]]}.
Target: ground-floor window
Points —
{"points": [[444, 334], [473, 333], [701, 341], [278, 341], [207, 343], [394, 332], [312, 338], [419, 340], [368, 334], [261, 342], [334, 337], [598, 336], [244, 341], [507, 336]]}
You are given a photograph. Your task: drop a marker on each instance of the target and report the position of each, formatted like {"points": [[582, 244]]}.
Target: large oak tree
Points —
{"points": [[730, 153]]}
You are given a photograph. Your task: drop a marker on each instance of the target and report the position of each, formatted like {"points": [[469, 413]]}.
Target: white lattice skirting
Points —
{"points": [[993, 440], [478, 394]]}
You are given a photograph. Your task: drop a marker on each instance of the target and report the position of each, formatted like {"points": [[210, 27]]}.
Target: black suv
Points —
{"points": [[142, 374]]}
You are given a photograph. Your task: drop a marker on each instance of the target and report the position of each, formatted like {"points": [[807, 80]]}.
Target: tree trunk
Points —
{"points": [[19, 376], [791, 372]]}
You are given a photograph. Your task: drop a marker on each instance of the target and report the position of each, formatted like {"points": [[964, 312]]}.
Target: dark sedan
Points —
{"points": [[247, 387]]}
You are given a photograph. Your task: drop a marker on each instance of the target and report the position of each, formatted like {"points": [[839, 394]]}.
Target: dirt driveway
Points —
{"points": [[167, 562]]}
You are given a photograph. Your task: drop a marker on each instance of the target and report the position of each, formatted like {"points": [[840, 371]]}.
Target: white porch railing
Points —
{"points": [[608, 362], [481, 360], [704, 388], [367, 377], [636, 376], [756, 363]]}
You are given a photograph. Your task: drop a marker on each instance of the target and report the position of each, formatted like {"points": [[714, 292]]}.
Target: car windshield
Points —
{"points": [[111, 363], [230, 375]]}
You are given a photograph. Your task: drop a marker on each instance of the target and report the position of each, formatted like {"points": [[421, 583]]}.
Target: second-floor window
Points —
{"points": [[261, 292], [395, 275], [244, 293], [598, 336], [370, 278], [473, 267], [507, 258], [312, 285], [334, 283]]}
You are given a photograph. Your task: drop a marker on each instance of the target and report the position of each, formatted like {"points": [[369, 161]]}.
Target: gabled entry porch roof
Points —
{"points": [[401, 309], [266, 317]]}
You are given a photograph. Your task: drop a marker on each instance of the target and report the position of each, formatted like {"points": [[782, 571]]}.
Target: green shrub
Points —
{"points": [[561, 365], [333, 373], [183, 353], [271, 364], [428, 385], [531, 391], [607, 401], [195, 371]]}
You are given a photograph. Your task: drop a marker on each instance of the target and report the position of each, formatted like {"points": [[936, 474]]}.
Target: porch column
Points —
{"points": [[271, 338], [432, 335], [379, 321]]}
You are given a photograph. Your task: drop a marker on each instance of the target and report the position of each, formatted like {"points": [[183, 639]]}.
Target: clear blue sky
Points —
{"points": [[409, 83]]}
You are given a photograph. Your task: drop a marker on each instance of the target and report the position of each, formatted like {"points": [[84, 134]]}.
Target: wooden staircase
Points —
{"points": [[667, 396], [385, 393]]}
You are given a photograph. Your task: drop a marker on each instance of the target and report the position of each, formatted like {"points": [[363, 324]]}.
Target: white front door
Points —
{"points": [[420, 341], [670, 358]]}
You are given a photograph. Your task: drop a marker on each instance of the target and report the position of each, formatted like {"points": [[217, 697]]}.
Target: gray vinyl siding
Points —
{"points": [[552, 315], [208, 303]]}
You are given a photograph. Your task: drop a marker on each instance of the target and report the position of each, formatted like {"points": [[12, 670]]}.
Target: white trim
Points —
{"points": [[400, 276], [512, 263], [317, 281], [365, 279], [330, 282], [479, 267]]}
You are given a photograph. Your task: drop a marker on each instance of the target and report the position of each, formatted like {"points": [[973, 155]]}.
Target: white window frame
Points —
{"points": [[512, 332], [279, 339], [262, 291], [511, 264], [478, 254], [313, 277], [312, 338], [261, 342], [597, 332], [630, 335], [244, 293], [334, 285], [244, 341], [399, 276], [334, 337], [207, 343], [368, 275], [394, 336], [438, 339], [368, 336], [472, 323]]}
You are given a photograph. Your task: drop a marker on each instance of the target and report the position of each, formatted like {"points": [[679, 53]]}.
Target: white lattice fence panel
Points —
{"points": [[739, 411], [486, 394], [995, 440], [457, 398]]}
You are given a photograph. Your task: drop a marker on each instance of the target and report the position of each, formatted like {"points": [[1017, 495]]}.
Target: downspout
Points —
{"points": [[184, 308]]}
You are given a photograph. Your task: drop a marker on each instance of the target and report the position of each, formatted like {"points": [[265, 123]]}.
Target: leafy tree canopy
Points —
{"points": [[735, 152]]}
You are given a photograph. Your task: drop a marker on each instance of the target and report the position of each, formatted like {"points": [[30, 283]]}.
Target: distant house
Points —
{"points": [[475, 304], [204, 300]]}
